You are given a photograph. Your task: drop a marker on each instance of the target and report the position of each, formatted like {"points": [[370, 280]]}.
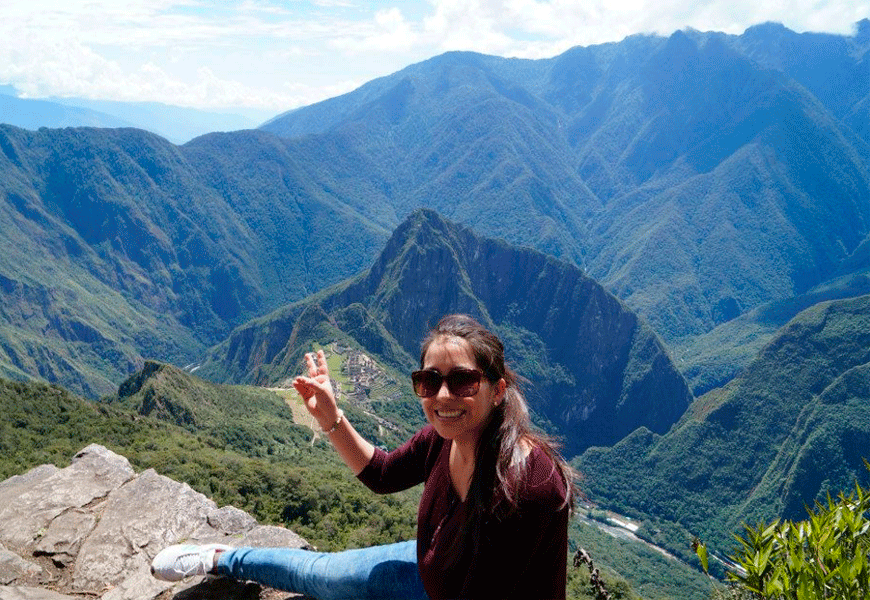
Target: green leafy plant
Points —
{"points": [[824, 556]]}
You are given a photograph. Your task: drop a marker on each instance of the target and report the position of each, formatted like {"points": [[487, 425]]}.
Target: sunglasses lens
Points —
{"points": [[426, 383], [463, 382]]}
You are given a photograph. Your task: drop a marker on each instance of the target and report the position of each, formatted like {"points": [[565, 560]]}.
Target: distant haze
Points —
{"points": [[282, 55]]}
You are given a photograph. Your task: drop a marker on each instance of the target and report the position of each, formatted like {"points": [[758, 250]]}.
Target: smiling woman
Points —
{"points": [[460, 410], [493, 517]]}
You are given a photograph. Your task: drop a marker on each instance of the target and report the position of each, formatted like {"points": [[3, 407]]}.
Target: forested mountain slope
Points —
{"points": [[595, 371], [835, 69], [794, 426], [695, 176], [118, 245]]}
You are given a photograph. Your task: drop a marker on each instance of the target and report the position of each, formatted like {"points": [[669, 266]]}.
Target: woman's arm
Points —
{"points": [[319, 398]]}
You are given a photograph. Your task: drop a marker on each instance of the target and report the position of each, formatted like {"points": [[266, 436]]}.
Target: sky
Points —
{"points": [[279, 55]]}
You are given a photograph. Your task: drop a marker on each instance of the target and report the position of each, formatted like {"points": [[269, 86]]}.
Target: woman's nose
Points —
{"points": [[443, 391]]}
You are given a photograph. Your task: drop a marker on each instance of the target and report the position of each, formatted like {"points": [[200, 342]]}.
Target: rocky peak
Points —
{"points": [[91, 529]]}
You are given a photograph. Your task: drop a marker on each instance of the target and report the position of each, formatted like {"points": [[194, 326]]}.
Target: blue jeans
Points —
{"points": [[379, 572]]}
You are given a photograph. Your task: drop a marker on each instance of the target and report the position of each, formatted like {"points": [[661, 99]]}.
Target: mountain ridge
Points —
{"points": [[789, 429], [694, 182], [709, 115], [596, 371]]}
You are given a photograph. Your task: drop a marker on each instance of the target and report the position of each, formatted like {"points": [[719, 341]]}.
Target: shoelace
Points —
{"points": [[200, 560]]}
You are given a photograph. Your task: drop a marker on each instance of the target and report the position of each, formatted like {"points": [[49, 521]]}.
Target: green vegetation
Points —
{"points": [[634, 569], [823, 556], [694, 199], [287, 480], [791, 429], [252, 420]]}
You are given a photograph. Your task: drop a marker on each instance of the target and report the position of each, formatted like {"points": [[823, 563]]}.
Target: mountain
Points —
{"points": [[791, 428], [596, 372], [751, 192], [692, 180], [175, 123], [33, 114], [253, 420], [256, 419], [835, 69], [119, 245], [691, 175]]}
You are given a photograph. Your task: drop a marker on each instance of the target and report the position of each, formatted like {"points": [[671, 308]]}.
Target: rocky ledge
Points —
{"points": [[91, 529]]}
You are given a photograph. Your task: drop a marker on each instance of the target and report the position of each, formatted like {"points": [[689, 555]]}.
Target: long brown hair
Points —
{"points": [[496, 484]]}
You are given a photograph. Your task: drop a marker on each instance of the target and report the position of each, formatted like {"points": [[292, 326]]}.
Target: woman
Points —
{"points": [[493, 518]]}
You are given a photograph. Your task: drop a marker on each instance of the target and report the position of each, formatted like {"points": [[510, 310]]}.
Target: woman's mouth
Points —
{"points": [[449, 414]]}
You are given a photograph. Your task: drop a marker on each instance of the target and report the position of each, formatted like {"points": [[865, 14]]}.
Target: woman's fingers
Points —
{"points": [[315, 389], [303, 388], [312, 368], [317, 364], [323, 367]]}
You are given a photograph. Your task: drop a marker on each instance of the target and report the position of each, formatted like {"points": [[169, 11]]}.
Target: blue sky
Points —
{"points": [[278, 55]]}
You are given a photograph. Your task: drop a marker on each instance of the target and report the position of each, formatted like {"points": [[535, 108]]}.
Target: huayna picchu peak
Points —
{"points": [[596, 371]]}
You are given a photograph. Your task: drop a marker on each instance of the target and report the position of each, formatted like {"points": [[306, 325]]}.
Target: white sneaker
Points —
{"points": [[184, 560]]}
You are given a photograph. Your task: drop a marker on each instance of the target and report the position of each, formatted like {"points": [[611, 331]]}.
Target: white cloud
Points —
{"points": [[273, 54], [535, 28], [387, 31]]}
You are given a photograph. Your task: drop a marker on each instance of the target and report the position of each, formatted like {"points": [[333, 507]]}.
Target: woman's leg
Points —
{"points": [[379, 572]]}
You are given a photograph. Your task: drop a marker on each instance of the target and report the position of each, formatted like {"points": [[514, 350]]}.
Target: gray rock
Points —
{"points": [[138, 520], [30, 593], [18, 484], [15, 568], [94, 472], [91, 530], [267, 536], [64, 536], [232, 519]]}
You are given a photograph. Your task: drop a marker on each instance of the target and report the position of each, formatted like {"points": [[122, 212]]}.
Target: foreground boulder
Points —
{"points": [[91, 529]]}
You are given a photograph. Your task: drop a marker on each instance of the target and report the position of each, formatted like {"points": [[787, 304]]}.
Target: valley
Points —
{"points": [[670, 233]]}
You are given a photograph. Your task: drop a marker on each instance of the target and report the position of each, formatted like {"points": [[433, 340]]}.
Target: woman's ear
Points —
{"points": [[499, 388]]}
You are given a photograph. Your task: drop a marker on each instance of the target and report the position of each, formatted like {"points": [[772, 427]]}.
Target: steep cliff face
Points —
{"points": [[92, 528], [596, 371], [119, 246], [697, 176], [792, 428]]}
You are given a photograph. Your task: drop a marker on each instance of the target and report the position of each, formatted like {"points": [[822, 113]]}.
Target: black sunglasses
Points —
{"points": [[461, 382]]}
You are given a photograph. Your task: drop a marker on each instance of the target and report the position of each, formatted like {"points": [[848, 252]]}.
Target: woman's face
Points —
{"points": [[454, 417]]}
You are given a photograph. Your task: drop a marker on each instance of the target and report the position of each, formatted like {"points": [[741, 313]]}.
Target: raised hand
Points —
{"points": [[316, 390], [319, 397]]}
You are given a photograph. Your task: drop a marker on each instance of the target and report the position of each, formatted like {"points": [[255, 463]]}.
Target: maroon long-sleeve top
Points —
{"points": [[523, 555]]}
